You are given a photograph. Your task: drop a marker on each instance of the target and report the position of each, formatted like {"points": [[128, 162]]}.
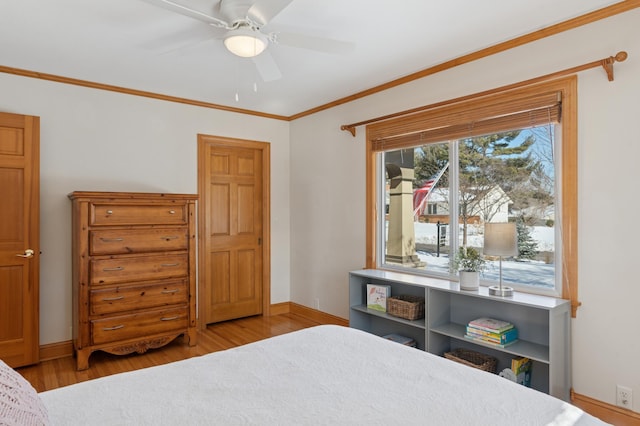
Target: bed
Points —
{"points": [[328, 375]]}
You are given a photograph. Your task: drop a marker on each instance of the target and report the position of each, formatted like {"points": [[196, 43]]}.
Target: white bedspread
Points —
{"points": [[327, 375]]}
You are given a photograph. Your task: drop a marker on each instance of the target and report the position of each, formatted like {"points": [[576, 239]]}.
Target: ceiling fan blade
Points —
{"points": [[194, 34], [189, 12], [319, 44], [267, 67], [185, 48], [264, 11]]}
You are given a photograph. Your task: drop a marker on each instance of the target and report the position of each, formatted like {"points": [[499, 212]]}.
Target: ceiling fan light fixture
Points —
{"points": [[245, 42]]}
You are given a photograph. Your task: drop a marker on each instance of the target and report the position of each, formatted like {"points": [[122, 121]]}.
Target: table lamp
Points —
{"points": [[500, 239]]}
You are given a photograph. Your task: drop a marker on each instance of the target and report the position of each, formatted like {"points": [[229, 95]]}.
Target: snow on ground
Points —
{"points": [[523, 272]]}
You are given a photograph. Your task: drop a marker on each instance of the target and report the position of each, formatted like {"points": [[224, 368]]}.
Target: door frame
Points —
{"points": [[204, 142]]}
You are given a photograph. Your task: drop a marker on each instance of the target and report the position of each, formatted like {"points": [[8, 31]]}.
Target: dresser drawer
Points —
{"points": [[134, 325], [135, 214], [122, 241], [129, 298], [137, 268]]}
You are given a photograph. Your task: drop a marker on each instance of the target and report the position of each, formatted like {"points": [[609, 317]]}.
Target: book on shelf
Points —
{"points": [[377, 295], [521, 368], [399, 338], [491, 324], [504, 337], [489, 342]]}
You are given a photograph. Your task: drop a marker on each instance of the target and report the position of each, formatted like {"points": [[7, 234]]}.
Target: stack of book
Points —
{"points": [[521, 368], [492, 331], [520, 371]]}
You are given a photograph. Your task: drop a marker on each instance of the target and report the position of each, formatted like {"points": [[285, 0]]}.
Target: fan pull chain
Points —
{"points": [[237, 80]]}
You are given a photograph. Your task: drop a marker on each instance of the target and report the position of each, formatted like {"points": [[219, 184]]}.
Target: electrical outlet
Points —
{"points": [[624, 397]]}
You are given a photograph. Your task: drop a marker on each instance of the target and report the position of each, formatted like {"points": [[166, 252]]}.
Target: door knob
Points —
{"points": [[27, 253]]}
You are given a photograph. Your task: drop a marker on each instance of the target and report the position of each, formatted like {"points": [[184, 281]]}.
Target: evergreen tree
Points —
{"points": [[485, 162], [527, 246]]}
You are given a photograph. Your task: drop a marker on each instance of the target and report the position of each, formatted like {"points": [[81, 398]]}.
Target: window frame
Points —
{"points": [[568, 184]]}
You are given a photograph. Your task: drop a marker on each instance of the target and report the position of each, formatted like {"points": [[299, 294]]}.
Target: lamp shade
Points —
{"points": [[500, 239], [245, 42]]}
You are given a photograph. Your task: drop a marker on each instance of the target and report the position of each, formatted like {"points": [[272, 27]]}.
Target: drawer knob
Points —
{"points": [[111, 240], [170, 291], [169, 237], [109, 211], [164, 265], [117, 268], [172, 212], [115, 327]]}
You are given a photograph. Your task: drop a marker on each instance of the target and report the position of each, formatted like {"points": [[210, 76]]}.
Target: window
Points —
{"points": [[442, 173], [503, 177]]}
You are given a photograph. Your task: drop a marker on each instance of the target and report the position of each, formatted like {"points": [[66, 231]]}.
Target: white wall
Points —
{"points": [[95, 140], [328, 185]]}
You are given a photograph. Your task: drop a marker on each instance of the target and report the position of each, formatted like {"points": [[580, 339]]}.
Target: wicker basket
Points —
{"points": [[408, 307], [473, 359]]}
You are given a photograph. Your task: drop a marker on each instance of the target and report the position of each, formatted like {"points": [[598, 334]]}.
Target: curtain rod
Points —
{"points": [[606, 63]]}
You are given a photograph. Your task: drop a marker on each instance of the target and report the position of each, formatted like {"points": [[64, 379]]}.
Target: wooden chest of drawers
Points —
{"points": [[134, 268]]}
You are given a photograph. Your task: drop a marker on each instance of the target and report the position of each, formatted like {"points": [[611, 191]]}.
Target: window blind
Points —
{"points": [[466, 119]]}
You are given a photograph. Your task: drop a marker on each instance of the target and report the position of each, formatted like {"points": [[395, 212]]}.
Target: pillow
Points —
{"points": [[19, 401]]}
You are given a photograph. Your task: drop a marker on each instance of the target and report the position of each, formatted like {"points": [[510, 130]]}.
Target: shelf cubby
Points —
{"points": [[543, 323]]}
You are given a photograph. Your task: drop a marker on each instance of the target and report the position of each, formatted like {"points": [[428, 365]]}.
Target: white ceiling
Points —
{"points": [[138, 45]]}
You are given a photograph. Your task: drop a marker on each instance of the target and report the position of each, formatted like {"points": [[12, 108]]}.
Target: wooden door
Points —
{"points": [[19, 238], [234, 228]]}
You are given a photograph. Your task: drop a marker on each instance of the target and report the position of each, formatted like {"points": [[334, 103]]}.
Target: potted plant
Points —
{"points": [[469, 263]]}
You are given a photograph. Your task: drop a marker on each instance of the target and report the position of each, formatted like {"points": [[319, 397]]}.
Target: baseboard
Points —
{"points": [[604, 411], [279, 309], [56, 350], [319, 316], [304, 311]]}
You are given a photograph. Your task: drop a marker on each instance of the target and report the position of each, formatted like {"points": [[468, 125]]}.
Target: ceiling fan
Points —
{"points": [[241, 24]]}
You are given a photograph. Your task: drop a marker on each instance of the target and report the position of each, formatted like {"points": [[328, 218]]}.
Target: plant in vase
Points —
{"points": [[469, 263]]}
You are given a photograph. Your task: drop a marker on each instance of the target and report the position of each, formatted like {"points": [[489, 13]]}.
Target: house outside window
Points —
{"points": [[504, 177], [506, 156]]}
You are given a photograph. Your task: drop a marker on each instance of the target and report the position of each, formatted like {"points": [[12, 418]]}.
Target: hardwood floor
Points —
{"points": [[55, 373]]}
